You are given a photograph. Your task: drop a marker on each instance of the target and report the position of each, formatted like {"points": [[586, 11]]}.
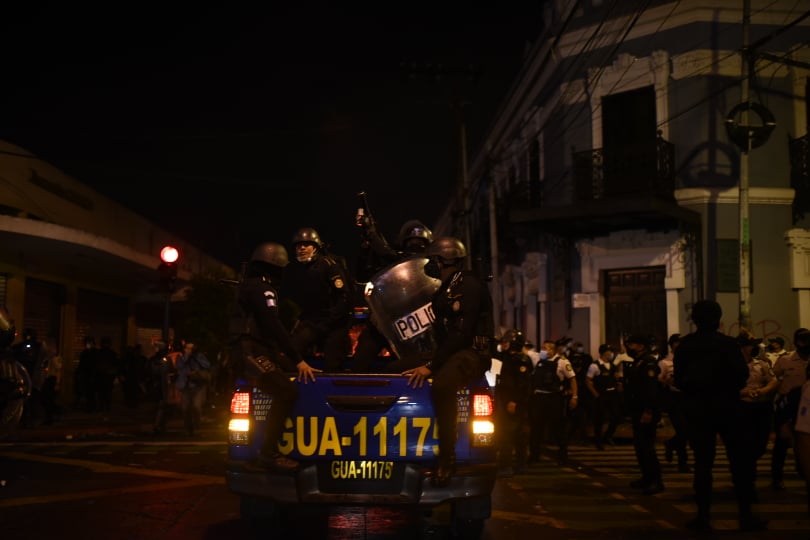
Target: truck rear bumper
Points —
{"points": [[417, 488]]}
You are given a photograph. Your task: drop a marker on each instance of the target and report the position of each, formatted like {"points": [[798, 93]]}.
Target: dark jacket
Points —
{"points": [[258, 327], [642, 388], [710, 366], [320, 291], [515, 379], [463, 310]]}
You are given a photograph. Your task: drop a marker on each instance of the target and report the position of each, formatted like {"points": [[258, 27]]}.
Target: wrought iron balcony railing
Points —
{"points": [[618, 171]]}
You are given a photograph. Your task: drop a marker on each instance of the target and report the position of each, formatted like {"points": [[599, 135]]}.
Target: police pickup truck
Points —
{"points": [[369, 439]]}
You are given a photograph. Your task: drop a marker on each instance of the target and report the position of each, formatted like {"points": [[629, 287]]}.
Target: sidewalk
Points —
{"points": [[122, 423]]}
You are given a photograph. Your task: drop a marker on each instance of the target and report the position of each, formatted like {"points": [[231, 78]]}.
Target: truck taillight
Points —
{"points": [[240, 403], [483, 426], [482, 405], [239, 424]]}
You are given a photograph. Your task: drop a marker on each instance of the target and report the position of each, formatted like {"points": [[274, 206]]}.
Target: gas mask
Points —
{"points": [[543, 354]]}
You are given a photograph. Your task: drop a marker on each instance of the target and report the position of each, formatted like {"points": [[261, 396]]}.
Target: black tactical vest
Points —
{"points": [[544, 377], [605, 381]]}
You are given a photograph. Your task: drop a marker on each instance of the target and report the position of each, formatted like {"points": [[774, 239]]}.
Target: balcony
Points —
{"points": [[630, 186], [639, 169]]}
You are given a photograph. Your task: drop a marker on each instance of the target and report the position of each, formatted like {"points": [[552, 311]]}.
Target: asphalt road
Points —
{"points": [[138, 486]]}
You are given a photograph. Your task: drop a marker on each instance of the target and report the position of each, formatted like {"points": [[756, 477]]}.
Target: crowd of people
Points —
{"points": [[706, 384], [290, 309]]}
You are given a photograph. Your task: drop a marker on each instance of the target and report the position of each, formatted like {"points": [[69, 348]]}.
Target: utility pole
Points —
{"points": [[744, 232]]}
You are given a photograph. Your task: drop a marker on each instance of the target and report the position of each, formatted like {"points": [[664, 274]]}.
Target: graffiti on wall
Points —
{"points": [[765, 328]]}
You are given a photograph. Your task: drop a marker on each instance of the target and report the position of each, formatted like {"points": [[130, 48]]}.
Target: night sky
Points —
{"points": [[229, 126]]}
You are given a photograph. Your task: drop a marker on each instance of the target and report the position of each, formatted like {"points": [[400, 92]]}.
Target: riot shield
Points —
{"points": [[399, 299]]}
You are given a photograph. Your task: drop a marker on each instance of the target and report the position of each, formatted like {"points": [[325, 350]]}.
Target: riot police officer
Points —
{"points": [[414, 238], [259, 338], [317, 286], [463, 326], [512, 391]]}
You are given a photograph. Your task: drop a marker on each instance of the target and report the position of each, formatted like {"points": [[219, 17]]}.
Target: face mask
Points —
{"points": [[499, 347], [755, 351], [610, 357], [544, 355], [632, 353], [803, 350], [580, 349]]}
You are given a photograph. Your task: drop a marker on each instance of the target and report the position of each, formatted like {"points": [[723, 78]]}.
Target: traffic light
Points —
{"points": [[167, 270]]}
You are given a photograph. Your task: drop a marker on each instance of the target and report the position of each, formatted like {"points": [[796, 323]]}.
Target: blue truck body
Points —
{"points": [[365, 439]]}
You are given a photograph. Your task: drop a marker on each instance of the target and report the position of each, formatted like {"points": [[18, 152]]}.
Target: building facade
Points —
{"points": [[74, 263], [611, 190]]}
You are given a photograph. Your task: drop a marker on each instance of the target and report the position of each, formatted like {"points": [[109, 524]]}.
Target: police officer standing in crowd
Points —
{"points": [[643, 394], [512, 392], [710, 371], [319, 289], [463, 326], [676, 445], [602, 382], [580, 417], [263, 349], [547, 409]]}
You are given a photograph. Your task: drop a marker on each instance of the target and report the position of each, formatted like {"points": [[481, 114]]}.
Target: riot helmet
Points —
{"points": [[307, 235], [270, 253], [447, 248], [415, 236], [306, 242], [514, 338], [7, 329], [268, 259]]}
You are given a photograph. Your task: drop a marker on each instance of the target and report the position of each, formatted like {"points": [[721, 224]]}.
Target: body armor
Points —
{"points": [[544, 377]]}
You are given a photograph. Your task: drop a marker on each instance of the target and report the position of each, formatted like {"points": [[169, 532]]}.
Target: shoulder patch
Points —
{"points": [[568, 367], [456, 306], [523, 369], [651, 373], [338, 283]]}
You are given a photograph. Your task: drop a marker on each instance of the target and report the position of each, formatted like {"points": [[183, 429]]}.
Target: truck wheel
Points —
{"points": [[468, 517]]}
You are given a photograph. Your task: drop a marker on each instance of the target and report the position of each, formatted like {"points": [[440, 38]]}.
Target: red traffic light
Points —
{"points": [[169, 255]]}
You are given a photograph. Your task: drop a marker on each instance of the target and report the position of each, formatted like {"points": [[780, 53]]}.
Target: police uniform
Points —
{"points": [[261, 335], [463, 310], [547, 409], [607, 404], [320, 292], [644, 401], [513, 386], [580, 362]]}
